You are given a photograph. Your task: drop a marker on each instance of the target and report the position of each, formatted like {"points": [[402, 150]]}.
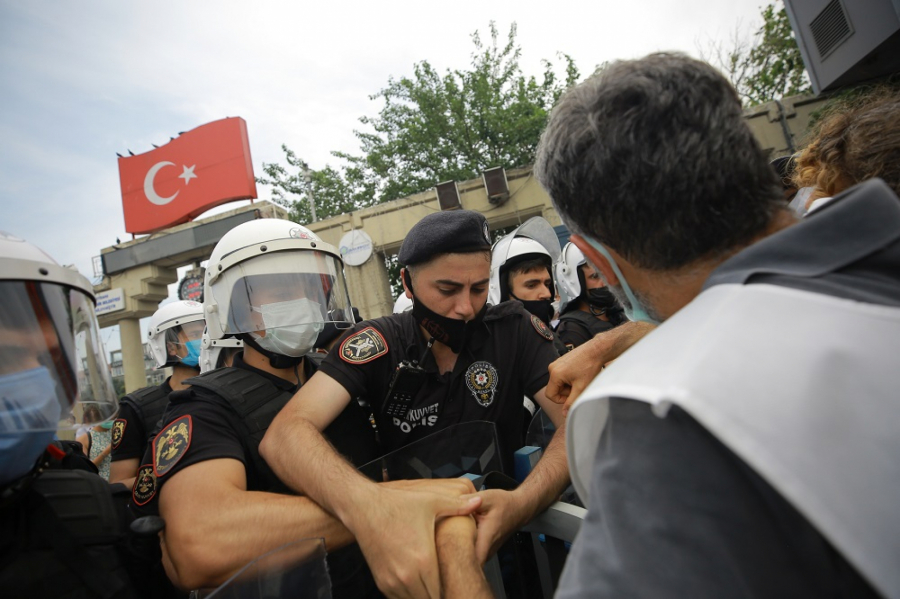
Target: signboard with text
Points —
{"points": [[110, 301]]}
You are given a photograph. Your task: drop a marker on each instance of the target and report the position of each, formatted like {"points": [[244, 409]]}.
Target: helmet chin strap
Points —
{"points": [[278, 361]]}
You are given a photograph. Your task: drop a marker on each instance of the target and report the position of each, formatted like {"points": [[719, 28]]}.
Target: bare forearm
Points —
{"points": [[461, 573], [549, 478], [123, 471], [318, 471], [205, 546]]}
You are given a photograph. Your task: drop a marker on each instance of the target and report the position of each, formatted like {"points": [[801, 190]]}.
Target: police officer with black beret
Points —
{"points": [[479, 361]]}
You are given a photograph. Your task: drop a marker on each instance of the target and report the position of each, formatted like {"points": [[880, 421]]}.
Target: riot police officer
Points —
{"points": [[586, 305], [174, 338], [60, 530], [453, 358], [272, 284]]}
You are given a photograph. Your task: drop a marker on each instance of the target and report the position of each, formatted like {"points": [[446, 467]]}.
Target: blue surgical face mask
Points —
{"points": [[634, 311], [29, 415], [192, 359]]}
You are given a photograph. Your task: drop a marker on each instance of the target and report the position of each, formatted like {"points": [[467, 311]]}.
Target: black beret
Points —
{"points": [[446, 232]]}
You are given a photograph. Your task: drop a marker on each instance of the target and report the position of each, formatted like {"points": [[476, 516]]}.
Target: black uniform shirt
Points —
{"points": [[504, 360], [574, 332], [209, 429], [131, 442]]}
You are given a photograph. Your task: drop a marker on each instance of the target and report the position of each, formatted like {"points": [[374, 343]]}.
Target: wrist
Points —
{"points": [[353, 504]]}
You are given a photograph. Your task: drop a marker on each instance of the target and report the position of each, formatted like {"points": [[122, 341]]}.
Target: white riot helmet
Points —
{"points": [[534, 238], [569, 276], [403, 304], [53, 362], [274, 284], [211, 351], [175, 331]]}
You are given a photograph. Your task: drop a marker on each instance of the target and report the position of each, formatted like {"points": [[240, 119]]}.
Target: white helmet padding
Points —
{"points": [[535, 237], [50, 347], [211, 356], [402, 304], [569, 279], [176, 322]]}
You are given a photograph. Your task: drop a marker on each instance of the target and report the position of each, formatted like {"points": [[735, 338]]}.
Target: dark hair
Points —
{"points": [[526, 265], [653, 158], [859, 140]]}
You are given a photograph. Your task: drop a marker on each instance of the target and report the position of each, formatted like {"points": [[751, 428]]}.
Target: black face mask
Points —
{"points": [[451, 332], [543, 308], [602, 301]]}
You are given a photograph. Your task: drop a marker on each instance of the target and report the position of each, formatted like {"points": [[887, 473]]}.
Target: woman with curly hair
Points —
{"points": [[857, 141]]}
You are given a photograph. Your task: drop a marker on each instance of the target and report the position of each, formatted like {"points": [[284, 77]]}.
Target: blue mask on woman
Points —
{"points": [[29, 415], [193, 353]]}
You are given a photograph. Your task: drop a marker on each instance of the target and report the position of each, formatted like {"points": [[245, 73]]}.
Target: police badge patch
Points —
{"points": [[363, 347], [542, 329], [171, 444], [118, 431], [144, 485], [481, 378]]}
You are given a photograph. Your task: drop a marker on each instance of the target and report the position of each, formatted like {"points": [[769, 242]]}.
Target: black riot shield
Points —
{"points": [[296, 570], [466, 449]]}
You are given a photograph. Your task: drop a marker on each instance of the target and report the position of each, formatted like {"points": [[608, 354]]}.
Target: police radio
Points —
{"points": [[408, 379], [406, 382]]}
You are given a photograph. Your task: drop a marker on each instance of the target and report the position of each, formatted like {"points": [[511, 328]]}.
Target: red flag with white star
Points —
{"points": [[175, 183]]}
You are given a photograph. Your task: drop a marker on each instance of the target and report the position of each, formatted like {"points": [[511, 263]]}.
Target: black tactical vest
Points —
{"points": [[590, 322], [256, 401], [62, 536], [149, 404]]}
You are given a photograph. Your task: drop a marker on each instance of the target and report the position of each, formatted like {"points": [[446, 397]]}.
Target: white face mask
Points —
{"points": [[293, 340]]}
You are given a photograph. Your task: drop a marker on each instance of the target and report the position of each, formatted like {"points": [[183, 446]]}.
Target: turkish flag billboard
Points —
{"points": [[200, 169]]}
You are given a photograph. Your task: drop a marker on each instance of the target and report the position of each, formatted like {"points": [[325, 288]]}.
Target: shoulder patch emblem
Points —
{"points": [[482, 378], [542, 329], [118, 431], [363, 347], [171, 444], [144, 488]]}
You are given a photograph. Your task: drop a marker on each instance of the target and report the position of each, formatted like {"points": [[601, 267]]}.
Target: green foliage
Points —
{"points": [[432, 128], [769, 66], [334, 192]]}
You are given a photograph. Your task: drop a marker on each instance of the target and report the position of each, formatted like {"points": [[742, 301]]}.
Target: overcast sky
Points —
{"points": [[83, 80]]}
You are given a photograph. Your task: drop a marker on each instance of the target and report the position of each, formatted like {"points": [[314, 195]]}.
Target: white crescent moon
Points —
{"points": [[148, 185]]}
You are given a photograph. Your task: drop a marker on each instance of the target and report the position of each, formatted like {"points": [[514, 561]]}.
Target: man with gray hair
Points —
{"points": [[747, 446]]}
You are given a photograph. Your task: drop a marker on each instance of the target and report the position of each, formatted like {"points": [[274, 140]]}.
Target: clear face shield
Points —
{"points": [[53, 369], [283, 299]]}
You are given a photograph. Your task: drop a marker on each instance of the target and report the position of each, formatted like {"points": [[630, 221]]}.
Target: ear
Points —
{"points": [[403, 274], [595, 258]]}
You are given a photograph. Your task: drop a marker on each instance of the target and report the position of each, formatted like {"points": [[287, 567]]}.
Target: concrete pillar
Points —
{"points": [[132, 354], [369, 288]]}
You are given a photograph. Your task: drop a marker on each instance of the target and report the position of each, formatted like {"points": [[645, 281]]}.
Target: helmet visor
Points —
{"points": [[282, 289], [53, 369]]}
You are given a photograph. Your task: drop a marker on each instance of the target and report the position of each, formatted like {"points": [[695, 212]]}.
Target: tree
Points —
{"points": [[433, 128], [767, 67]]}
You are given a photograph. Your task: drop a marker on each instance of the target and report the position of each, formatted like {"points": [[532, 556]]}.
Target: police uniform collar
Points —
{"points": [[279, 382], [820, 243]]}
